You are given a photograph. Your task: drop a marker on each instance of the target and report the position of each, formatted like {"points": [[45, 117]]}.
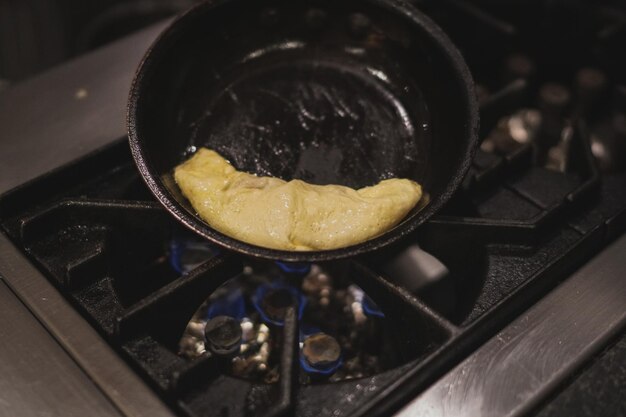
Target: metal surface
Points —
{"points": [[51, 120], [38, 378], [522, 364], [67, 112], [111, 374], [600, 389]]}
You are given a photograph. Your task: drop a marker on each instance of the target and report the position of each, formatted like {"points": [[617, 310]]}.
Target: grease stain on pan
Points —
{"points": [[283, 46], [317, 121]]}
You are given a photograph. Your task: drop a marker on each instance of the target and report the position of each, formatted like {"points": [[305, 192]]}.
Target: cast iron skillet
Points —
{"points": [[346, 92]]}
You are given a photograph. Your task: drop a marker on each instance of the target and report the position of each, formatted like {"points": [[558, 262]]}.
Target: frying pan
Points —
{"points": [[329, 91]]}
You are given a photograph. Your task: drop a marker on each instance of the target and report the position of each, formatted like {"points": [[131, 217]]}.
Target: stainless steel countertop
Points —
{"points": [[47, 122], [102, 367], [517, 368], [38, 378], [65, 114]]}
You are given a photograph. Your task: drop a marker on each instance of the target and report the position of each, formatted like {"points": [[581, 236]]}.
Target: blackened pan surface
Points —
{"points": [[348, 92]]}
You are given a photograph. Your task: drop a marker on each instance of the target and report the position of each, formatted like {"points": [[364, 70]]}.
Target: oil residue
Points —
{"points": [[322, 122]]}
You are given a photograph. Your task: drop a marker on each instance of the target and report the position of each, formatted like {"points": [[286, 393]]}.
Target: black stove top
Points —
{"points": [[216, 333]]}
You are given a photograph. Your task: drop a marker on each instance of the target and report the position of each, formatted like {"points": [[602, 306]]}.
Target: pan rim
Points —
{"points": [[151, 177]]}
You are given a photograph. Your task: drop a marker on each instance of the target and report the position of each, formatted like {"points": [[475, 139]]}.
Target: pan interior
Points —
{"points": [[322, 120], [347, 93]]}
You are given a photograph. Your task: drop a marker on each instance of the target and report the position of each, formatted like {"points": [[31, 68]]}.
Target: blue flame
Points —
{"points": [[187, 253], [370, 308], [264, 288], [307, 330], [294, 268], [231, 304]]}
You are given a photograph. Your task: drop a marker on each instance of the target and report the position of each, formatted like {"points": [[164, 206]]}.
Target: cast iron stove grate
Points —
{"points": [[535, 205]]}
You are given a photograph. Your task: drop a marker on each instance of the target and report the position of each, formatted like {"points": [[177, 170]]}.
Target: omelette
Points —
{"points": [[290, 215]]}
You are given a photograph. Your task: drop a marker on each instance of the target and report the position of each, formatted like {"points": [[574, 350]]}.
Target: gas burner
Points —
{"points": [[187, 251], [205, 326], [338, 324], [550, 66], [543, 123]]}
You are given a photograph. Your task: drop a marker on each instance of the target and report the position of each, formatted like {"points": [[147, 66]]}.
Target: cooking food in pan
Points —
{"points": [[291, 215], [349, 93]]}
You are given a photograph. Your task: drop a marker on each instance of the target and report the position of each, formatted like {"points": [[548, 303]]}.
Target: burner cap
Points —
{"points": [[276, 302], [321, 352], [222, 335]]}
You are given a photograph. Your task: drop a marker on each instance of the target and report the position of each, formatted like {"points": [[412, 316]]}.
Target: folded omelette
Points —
{"points": [[290, 215]]}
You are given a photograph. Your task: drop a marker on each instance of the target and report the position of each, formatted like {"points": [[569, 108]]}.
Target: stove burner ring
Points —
{"points": [[272, 300]]}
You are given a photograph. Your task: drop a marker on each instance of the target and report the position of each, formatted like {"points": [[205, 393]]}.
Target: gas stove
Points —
{"points": [[485, 310]]}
